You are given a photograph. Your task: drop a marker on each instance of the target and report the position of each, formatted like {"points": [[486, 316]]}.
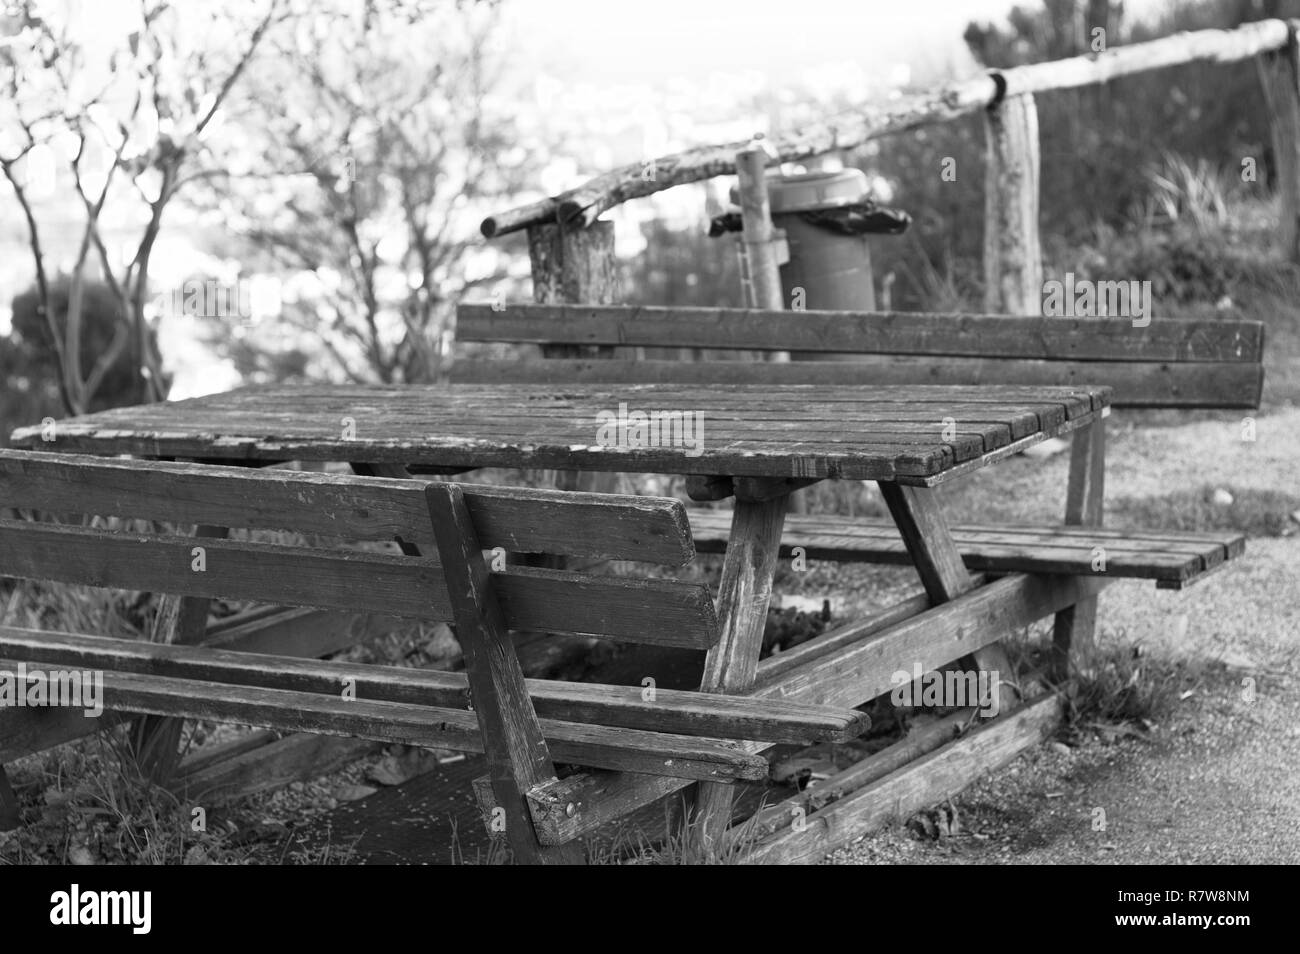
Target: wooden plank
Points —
{"points": [[773, 668], [672, 711], [1170, 557], [1074, 630], [1136, 384], [930, 779], [518, 759], [850, 675], [774, 817], [593, 526], [665, 612], [625, 750], [1017, 335], [181, 620], [861, 671]]}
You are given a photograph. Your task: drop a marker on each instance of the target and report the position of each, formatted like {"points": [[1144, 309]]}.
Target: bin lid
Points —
{"points": [[813, 190]]}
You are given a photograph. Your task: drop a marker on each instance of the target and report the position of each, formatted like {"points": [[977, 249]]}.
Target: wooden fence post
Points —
{"points": [[1279, 78], [1013, 260], [575, 266]]}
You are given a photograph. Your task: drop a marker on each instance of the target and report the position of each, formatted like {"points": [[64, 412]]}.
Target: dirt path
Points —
{"points": [[1219, 780]]}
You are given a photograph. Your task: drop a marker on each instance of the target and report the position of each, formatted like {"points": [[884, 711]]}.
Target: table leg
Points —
{"points": [[731, 665], [1075, 627], [183, 620], [925, 533]]}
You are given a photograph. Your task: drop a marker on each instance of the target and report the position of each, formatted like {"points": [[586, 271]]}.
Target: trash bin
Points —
{"points": [[826, 271], [826, 218]]}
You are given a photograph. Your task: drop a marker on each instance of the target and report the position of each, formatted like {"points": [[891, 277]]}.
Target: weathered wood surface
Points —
{"points": [[918, 742], [801, 431], [1074, 630], [921, 783], [517, 756], [287, 632], [625, 750], [1174, 558], [518, 519], [859, 671], [666, 612], [183, 620], [901, 333], [1013, 257], [925, 533], [1279, 79], [760, 264], [835, 671], [673, 711], [574, 265], [585, 203], [744, 593], [1134, 384]]}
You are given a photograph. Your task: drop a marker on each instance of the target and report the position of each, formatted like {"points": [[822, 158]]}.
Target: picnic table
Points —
{"points": [[754, 442]]}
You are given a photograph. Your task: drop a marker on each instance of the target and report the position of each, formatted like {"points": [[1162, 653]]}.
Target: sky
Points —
{"points": [[617, 41]]}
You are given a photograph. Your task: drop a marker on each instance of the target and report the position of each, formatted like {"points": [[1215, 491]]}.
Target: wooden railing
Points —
{"points": [[1013, 269]]}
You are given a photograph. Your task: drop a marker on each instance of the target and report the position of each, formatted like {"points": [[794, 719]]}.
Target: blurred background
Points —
{"points": [[200, 194]]}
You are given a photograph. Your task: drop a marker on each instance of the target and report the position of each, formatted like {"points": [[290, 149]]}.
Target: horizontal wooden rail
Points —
{"points": [[847, 332], [583, 205]]}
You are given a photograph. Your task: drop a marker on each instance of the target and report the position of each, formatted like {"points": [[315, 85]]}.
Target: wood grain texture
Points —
{"points": [[842, 673], [518, 759], [1074, 629], [624, 750], [668, 710], [785, 431], [1013, 257], [921, 741], [1014, 335], [730, 666], [1169, 556], [183, 620], [1167, 384], [667, 612], [944, 576], [595, 526], [923, 782]]}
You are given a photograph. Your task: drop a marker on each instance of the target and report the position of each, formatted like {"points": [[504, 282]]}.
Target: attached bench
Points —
{"points": [[1173, 559], [1168, 364], [522, 725]]}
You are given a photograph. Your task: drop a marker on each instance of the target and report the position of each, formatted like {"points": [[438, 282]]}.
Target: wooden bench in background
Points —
{"points": [[523, 725], [1170, 363]]}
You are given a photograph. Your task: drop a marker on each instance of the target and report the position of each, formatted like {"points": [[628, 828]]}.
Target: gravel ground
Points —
{"points": [[1219, 780]]}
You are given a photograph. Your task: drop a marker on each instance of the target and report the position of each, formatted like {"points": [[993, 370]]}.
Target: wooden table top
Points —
{"points": [[907, 433]]}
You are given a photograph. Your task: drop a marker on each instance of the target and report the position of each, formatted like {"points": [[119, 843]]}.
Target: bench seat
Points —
{"points": [[1172, 558]]}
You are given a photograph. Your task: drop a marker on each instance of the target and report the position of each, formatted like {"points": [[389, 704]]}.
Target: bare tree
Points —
{"points": [[375, 133], [129, 120]]}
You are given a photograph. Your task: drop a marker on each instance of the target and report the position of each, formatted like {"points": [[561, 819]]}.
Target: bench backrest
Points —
{"points": [[601, 526], [1169, 363]]}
